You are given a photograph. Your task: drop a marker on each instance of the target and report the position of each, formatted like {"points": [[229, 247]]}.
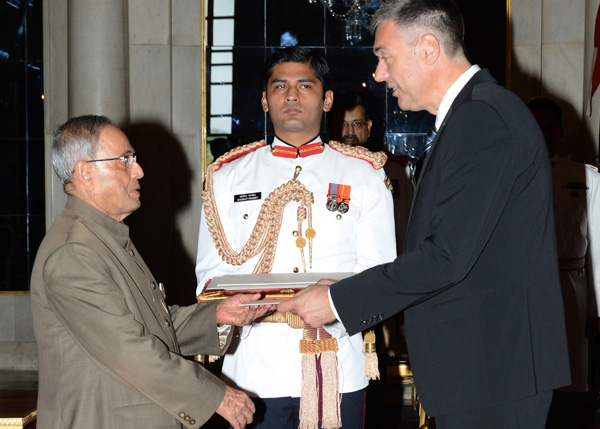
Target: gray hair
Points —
{"points": [[442, 18], [76, 140]]}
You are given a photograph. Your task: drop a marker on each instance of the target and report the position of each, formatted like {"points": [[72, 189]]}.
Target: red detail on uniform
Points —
{"points": [[285, 152], [340, 192], [319, 387], [311, 149], [596, 70], [232, 157], [344, 192], [295, 152]]}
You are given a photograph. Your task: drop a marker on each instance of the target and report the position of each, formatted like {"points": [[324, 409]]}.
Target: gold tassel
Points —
{"points": [[309, 400], [371, 362], [319, 342], [331, 396]]}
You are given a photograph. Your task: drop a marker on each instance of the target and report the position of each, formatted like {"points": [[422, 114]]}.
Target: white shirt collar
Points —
{"points": [[452, 92]]}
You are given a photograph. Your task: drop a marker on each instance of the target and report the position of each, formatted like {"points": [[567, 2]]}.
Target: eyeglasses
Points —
{"points": [[354, 124], [128, 160]]}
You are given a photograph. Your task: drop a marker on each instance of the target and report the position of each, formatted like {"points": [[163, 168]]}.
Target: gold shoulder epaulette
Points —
{"points": [[376, 159], [235, 153], [389, 184]]}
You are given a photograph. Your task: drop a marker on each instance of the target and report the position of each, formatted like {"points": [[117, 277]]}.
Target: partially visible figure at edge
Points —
{"points": [[577, 216]]}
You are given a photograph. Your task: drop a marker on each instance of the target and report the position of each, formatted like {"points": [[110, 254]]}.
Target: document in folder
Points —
{"points": [[273, 288]]}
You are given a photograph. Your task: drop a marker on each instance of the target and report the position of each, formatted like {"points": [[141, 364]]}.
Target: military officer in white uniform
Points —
{"points": [[348, 228], [592, 180], [576, 211]]}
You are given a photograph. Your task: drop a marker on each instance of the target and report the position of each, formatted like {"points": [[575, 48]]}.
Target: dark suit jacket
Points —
{"points": [[478, 279], [110, 354]]}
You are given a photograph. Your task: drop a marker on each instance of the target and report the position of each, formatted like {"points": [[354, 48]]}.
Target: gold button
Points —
{"points": [[182, 415], [295, 269], [295, 233], [245, 216], [186, 418], [338, 217], [192, 422]]}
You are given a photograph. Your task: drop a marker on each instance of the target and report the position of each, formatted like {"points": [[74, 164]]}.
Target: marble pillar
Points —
{"points": [[97, 66]]}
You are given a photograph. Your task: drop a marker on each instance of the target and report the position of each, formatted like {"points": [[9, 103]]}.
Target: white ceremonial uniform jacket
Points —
{"points": [[266, 361], [592, 178], [576, 207]]}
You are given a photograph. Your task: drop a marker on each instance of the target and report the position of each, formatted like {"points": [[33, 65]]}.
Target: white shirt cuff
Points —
{"points": [[335, 313]]}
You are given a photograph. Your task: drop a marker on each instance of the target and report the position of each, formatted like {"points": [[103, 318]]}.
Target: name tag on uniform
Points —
{"points": [[246, 197]]}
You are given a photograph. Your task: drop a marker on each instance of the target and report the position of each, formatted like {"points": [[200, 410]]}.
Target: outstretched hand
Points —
{"points": [[311, 304], [230, 312], [236, 407]]}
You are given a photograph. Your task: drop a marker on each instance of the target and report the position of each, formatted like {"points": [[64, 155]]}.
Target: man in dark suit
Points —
{"points": [[478, 279], [111, 353]]}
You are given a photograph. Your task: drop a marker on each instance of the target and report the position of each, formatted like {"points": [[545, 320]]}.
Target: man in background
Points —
{"points": [[348, 120]]}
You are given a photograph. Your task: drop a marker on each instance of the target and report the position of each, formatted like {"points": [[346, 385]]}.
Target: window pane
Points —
{"points": [[247, 71], [221, 74], [289, 22], [220, 99], [224, 8], [221, 58], [35, 103], [223, 32], [13, 198], [220, 125], [12, 99], [250, 25]]}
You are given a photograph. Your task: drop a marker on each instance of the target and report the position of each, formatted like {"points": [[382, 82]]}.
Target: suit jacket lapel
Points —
{"points": [[463, 96]]}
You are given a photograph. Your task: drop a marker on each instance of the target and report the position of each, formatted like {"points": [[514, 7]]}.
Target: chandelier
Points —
{"points": [[355, 13]]}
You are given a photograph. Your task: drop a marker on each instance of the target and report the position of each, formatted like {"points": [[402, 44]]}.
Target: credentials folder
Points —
{"points": [[273, 288]]}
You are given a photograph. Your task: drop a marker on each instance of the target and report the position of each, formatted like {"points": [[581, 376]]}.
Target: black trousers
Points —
{"points": [[529, 413], [283, 413]]}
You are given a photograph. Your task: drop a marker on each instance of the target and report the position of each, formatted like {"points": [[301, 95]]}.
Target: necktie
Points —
{"points": [[419, 163]]}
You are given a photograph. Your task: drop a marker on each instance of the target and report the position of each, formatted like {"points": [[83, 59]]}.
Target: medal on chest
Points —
{"points": [[338, 198]]}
